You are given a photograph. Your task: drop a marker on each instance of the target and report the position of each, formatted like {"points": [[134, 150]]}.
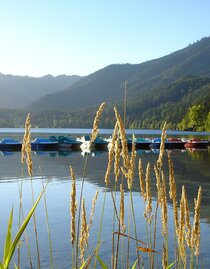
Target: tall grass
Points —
{"points": [[122, 164]]}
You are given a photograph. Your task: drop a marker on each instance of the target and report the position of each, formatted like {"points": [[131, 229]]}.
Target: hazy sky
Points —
{"points": [[39, 37]]}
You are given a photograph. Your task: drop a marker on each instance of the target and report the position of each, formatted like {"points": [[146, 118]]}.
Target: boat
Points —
{"points": [[142, 143], [43, 144], [170, 143], [10, 144], [67, 143], [196, 144], [174, 143], [155, 143], [98, 144]]}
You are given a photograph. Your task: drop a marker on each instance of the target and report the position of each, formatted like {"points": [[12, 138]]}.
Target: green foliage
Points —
{"points": [[9, 246], [197, 118]]}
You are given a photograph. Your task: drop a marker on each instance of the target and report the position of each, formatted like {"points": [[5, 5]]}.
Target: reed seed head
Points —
{"points": [[123, 139], [26, 147], [162, 147], [95, 129], [195, 236], [111, 155], [141, 180]]}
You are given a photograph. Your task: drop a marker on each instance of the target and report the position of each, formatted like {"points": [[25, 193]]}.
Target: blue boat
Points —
{"points": [[67, 143], [10, 144], [43, 144]]}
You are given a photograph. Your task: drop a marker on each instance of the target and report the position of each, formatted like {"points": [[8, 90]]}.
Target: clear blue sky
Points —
{"points": [[39, 37]]}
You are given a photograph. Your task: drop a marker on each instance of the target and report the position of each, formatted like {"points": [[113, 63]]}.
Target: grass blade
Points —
{"points": [[103, 265], [8, 240], [170, 265], [134, 265], [21, 230]]}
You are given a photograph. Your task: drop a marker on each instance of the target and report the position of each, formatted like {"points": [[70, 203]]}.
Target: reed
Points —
{"points": [[27, 157]]}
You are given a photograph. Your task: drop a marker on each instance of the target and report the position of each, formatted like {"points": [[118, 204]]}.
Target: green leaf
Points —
{"points": [[15, 266], [170, 265], [134, 265], [20, 232], [8, 240], [103, 265]]}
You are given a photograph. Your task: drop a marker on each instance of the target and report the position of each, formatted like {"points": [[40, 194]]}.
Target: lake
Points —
{"points": [[192, 168]]}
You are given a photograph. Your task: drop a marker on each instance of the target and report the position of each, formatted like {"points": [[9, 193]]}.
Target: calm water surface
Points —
{"points": [[191, 169]]}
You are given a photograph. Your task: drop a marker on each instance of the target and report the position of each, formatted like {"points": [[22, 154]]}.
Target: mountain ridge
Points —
{"points": [[107, 84]]}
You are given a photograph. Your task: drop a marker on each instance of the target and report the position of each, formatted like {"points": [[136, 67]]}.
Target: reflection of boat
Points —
{"points": [[9, 144], [7, 153], [44, 144], [155, 143], [143, 143], [45, 153], [174, 143], [196, 144]]}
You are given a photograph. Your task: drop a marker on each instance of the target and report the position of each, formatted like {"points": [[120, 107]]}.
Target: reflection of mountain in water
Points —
{"points": [[191, 169]]}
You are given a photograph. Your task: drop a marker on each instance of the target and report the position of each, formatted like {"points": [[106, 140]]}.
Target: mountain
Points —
{"points": [[107, 84], [20, 91]]}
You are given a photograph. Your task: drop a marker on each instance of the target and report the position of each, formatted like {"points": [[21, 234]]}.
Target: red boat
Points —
{"points": [[196, 144]]}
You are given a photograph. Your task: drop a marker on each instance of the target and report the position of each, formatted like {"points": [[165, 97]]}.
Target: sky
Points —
{"points": [[79, 37]]}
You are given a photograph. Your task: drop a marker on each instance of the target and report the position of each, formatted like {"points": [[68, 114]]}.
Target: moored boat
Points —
{"points": [[98, 144], [174, 143], [155, 143], [142, 143], [196, 144], [68, 143], [10, 144], [41, 143]]}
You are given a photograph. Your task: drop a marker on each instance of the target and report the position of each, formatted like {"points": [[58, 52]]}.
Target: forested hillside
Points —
{"points": [[174, 88]]}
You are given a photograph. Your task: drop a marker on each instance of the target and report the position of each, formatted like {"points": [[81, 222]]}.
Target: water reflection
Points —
{"points": [[191, 169]]}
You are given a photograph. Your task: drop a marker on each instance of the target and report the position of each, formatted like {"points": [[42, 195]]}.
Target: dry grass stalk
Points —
{"points": [[164, 212], [122, 209], [111, 155], [158, 184], [187, 221], [83, 233], [26, 146], [148, 210], [164, 258], [73, 207], [162, 147], [195, 237], [173, 192], [181, 235], [117, 160], [141, 180], [95, 129], [123, 139], [92, 211], [131, 168]]}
